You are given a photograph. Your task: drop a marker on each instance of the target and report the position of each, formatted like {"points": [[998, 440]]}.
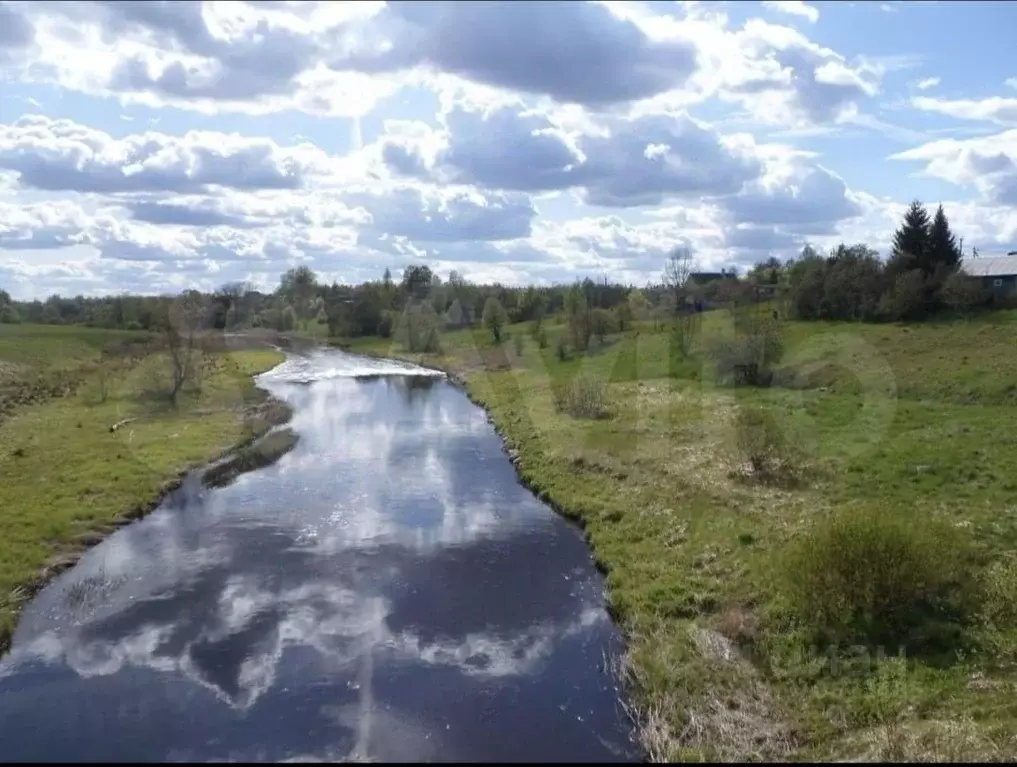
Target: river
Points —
{"points": [[387, 591]]}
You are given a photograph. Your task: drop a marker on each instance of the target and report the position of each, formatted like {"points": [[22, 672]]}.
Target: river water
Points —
{"points": [[387, 591]]}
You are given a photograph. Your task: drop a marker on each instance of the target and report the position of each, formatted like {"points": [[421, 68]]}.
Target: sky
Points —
{"points": [[156, 146]]}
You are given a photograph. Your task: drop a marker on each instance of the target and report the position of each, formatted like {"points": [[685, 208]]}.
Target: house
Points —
{"points": [[764, 291], [703, 278], [998, 273]]}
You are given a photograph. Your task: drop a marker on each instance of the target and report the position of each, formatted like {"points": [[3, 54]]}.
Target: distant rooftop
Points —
{"points": [[723, 274], [991, 266]]}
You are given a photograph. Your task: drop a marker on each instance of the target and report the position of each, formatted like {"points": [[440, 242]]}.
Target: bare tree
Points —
{"points": [[677, 271], [186, 317], [677, 278]]}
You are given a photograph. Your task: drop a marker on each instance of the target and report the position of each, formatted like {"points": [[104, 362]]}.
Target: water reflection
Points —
{"points": [[386, 591]]}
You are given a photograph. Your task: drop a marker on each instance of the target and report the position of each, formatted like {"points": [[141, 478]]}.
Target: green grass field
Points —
{"points": [[65, 478], [914, 421]]}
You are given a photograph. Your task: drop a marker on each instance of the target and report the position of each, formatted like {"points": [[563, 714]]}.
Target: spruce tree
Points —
{"points": [[943, 251], [911, 243]]}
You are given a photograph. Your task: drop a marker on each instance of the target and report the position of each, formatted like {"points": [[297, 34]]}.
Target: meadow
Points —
{"points": [[859, 605], [67, 477]]}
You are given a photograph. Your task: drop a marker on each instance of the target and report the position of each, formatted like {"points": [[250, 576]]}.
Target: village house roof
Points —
{"points": [[991, 266]]}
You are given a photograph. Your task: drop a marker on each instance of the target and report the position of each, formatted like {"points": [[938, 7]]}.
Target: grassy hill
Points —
{"points": [[66, 479], [910, 427]]}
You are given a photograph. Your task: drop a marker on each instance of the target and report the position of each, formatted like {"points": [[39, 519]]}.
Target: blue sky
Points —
{"points": [[157, 146]]}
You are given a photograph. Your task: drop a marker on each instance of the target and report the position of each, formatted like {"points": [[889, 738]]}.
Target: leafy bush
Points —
{"points": [[853, 284], [623, 315], [906, 299], [537, 326], [999, 608], [807, 286], [963, 293], [602, 322], [562, 350], [879, 577], [385, 324], [578, 317], [494, 317], [843, 286], [418, 329], [748, 359], [432, 341], [761, 445], [287, 319], [583, 397]]}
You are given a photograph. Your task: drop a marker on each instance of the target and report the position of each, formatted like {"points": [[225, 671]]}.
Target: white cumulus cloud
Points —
{"points": [[795, 8], [518, 142]]}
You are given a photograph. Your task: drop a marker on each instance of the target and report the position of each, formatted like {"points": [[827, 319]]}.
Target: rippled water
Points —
{"points": [[387, 591]]}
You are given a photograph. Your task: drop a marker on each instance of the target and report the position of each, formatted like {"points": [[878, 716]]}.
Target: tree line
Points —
{"points": [[371, 308], [921, 277], [851, 282]]}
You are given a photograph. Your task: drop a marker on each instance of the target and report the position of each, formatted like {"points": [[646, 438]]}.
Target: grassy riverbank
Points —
{"points": [[66, 479], [908, 428]]}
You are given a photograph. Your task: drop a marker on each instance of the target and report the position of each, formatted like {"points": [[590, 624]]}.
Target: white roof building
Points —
{"points": [[991, 266]]}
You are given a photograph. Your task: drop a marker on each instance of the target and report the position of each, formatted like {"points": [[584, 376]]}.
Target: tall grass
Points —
{"points": [[583, 397]]}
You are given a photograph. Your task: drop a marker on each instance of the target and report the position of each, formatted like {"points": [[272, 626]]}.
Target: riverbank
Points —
{"points": [[889, 417], [80, 462]]}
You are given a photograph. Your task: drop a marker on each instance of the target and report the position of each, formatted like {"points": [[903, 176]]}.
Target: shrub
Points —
{"points": [[538, 321], [999, 610], [853, 282], [494, 317], [542, 339], [8, 314], [622, 315], [748, 359], [963, 293], [385, 324], [761, 444], [906, 299], [583, 397], [602, 323], [562, 350], [807, 286], [880, 577], [287, 319], [685, 331], [432, 341], [98, 391], [418, 329], [578, 317]]}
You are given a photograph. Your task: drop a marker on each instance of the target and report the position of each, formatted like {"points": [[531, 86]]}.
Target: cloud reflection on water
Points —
{"points": [[395, 535]]}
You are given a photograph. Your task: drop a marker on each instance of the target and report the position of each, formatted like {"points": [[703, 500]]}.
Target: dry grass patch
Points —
{"points": [[583, 397], [928, 741], [716, 708]]}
